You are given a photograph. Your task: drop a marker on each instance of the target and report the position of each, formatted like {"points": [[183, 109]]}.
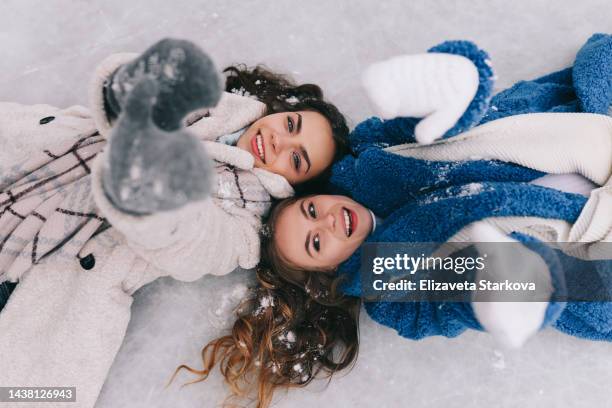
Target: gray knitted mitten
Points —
{"points": [[186, 77], [150, 169]]}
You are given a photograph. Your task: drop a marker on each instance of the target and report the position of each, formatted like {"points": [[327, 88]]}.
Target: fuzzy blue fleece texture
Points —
{"points": [[414, 195]]}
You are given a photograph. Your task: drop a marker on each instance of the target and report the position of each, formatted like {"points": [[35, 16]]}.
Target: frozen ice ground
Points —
{"points": [[49, 49]]}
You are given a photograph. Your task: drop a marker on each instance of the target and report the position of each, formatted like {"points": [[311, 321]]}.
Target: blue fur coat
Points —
{"points": [[413, 195]]}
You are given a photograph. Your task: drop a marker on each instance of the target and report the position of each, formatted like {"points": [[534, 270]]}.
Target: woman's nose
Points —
{"points": [[277, 142], [281, 142], [274, 142], [330, 222], [325, 222]]}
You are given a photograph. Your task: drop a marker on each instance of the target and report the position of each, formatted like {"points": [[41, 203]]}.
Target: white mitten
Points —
{"points": [[437, 87], [510, 323]]}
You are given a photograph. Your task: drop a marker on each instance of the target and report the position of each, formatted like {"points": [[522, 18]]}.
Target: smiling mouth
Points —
{"points": [[348, 221], [257, 146]]}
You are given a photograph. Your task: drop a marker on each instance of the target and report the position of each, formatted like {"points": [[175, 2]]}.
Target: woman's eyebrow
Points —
{"points": [[302, 209], [299, 122], [307, 242], [302, 148], [306, 157]]}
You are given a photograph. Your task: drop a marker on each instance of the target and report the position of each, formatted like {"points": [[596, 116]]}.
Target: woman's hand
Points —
{"points": [[186, 77], [511, 318], [149, 169], [437, 87]]}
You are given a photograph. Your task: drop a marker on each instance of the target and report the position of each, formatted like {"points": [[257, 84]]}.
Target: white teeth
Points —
{"points": [[260, 147], [347, 221]]}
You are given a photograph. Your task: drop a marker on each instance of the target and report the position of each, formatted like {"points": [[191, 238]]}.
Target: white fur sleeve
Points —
{"points": [[96, 95], [187, 243]]}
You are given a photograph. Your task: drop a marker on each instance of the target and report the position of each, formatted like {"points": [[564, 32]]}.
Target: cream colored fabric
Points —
{"points": [[569, 183], [63, 324], [557, 143]]}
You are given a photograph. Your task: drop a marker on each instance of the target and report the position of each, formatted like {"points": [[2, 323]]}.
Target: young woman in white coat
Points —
{"points": [[165, 175]]}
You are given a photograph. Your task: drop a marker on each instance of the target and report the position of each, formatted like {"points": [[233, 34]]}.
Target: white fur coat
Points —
{"points": [[63, 324]]}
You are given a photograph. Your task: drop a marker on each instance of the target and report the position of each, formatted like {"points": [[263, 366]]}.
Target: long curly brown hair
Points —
{"points": [[291, 329], [280, 94]]}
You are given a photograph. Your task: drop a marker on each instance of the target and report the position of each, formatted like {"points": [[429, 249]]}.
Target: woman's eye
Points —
{"points": [[297, 160], [290, 124], [312, 211], [316, 243]]}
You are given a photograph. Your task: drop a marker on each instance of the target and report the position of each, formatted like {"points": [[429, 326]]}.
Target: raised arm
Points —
{"points": [[152, 180], [196, 239], [448, 88]]}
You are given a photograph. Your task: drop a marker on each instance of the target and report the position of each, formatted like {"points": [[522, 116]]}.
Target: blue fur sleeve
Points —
{"points": [[592, 74], [417, 320], [555, 269], [585, 87], [480, 104], [379, 134], [384, 181], [374, 132], [582, 290]]}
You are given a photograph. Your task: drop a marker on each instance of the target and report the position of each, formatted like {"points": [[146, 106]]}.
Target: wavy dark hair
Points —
{"points": [[292, 329], [280, 94]]}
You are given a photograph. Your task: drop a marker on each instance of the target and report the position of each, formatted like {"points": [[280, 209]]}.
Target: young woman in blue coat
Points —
{"points": [[539, 174]]}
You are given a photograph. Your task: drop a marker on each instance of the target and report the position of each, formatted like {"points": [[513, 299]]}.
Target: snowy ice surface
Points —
{"points": [[49, 49]]}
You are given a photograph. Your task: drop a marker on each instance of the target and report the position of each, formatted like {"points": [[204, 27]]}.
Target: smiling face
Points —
{"points": [[297, 145], [322, 231]]}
